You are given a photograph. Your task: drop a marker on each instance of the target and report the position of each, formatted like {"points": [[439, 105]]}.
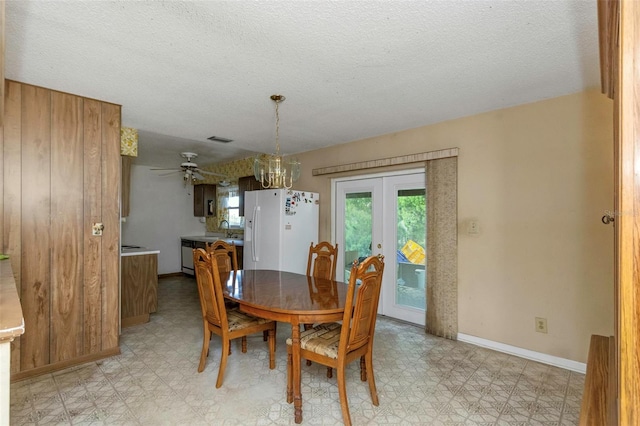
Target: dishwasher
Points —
{"points": [[187, 257]]}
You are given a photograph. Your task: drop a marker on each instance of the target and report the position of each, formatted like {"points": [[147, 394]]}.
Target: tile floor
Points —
{"points": [[421, 380]]}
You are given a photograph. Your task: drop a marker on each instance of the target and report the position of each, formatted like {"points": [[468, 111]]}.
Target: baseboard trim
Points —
{"points": [[578, 367], [50, 368]]}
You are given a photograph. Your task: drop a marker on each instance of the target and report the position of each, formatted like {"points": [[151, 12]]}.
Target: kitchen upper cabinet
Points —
{"points": [[246, 183], [204, 200], [126, 185]]}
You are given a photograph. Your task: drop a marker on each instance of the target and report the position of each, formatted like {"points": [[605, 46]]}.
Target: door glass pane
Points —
{"points": [[358, 218], [411, 234]]}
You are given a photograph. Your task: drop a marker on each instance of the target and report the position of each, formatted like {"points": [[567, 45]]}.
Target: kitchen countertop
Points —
{"points": [[137, 251], [210, 239], [11, 320]]}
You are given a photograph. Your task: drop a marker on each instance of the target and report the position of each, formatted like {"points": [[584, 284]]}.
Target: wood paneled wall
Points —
{"points": [[61, 159]]}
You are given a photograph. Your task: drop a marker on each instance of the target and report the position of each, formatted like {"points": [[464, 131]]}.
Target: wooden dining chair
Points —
{"points": [[227, 259], [218, 319], [228, 264], [322, 262], [337, 344], [323, 259]]}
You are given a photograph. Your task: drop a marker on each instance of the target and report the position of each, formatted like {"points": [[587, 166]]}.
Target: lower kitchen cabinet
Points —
{"points": [[189, 243], [139, 293], [240, 254]]}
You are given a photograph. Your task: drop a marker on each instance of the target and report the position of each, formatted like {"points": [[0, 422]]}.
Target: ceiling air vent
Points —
{"points": [[219, 139]]}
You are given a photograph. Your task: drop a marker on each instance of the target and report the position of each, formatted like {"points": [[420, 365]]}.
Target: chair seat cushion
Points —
{"points": [[238, 320], [322, 339]]}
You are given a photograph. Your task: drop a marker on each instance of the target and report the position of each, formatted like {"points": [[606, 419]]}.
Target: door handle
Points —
{"points": [[379, 246], [254, 234], [608, 219]]}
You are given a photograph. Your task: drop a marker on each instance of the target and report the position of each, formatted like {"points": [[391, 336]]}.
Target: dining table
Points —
{"points": [[287, 297]]}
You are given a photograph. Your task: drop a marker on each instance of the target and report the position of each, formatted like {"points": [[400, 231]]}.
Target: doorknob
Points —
{"points": [[379, 246], [607, 219]]}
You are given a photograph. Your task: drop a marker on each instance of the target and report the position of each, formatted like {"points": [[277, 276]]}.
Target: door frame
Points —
{"points": [[334, 212], [627, 221]]}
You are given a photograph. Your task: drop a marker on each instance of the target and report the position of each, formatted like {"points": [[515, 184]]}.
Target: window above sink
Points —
{"points": [[229, 207]]}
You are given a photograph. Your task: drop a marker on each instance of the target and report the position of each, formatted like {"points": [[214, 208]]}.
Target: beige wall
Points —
{"points": [[537, 177]]}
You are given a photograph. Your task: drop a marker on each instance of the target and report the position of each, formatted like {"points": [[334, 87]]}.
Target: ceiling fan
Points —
{"points": [[189, 170]]}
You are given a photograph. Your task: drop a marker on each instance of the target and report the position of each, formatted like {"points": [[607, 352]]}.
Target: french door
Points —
{"points": [[386, 214]]}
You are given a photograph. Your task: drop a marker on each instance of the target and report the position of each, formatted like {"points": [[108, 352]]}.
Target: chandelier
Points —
{"points": [[273, 170]]}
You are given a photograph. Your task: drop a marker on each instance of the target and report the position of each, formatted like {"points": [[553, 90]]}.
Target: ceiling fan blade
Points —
{"points": [[190, 171]]}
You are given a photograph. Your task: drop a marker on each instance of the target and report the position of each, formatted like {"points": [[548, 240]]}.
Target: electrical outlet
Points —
{"points": [[541, 325], [473, 227]]}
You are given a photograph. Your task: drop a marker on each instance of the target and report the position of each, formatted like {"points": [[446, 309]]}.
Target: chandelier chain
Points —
{"points": [[277, 128]]}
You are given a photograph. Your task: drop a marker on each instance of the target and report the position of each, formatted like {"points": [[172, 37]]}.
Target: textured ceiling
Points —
{"points": [[184, 71]]}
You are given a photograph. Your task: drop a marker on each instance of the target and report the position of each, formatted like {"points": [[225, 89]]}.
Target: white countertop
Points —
{"points": [[11, 318], [137, 251]]}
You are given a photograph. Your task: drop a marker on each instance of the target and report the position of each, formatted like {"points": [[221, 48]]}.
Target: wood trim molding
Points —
{"points": [[138, 319], [596, 400], [385, 162], [2, 61], [627, 221], [64, 364], [608, 30]]}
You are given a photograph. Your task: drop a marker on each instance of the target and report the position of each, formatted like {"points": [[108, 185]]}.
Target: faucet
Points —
{"points": [[223, 221]]}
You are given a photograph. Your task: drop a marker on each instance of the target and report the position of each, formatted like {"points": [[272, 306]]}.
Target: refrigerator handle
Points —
{"points": [[254, 233]]}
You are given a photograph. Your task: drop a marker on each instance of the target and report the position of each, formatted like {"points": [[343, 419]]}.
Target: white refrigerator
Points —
{"points": [[279, 227]]}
